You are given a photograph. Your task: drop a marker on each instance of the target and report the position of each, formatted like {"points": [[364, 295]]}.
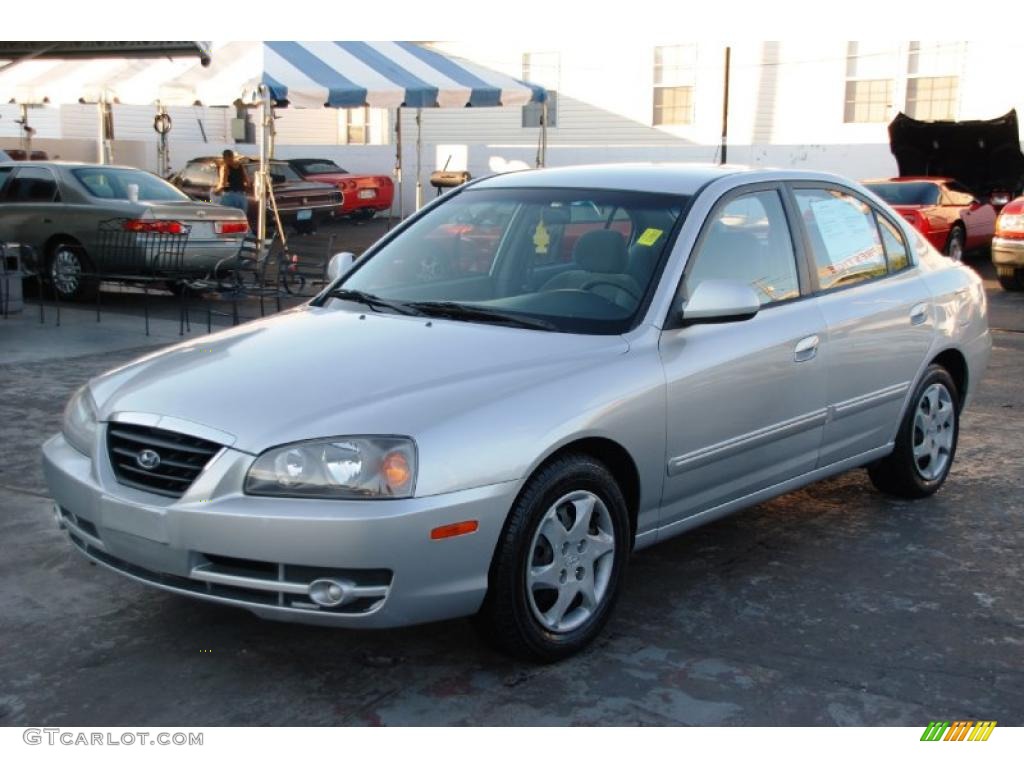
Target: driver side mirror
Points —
{"points": [[720, 301], [339, 265]]}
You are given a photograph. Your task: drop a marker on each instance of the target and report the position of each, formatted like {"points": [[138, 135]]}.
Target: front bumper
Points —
{"points": [[1008, 253], [262, 554]]}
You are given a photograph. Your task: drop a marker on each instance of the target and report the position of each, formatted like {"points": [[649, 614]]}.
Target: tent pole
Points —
{"points": [[398, 162], [261, 177], [419, 158], [543, 154], [26, 133], [101, 134]]}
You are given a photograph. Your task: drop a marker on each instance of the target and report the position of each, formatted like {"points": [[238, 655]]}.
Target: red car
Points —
{"points": [[942, 209], [1008, 246], [363, 195]]}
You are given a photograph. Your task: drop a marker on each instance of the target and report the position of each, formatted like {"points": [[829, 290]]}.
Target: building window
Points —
{"points": [[543, 68], [357, 126], [933, 81], [869, 79], [675, 68]]}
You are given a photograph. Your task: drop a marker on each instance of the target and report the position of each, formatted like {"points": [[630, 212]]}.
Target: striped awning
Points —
{"points": [[298, 74]]}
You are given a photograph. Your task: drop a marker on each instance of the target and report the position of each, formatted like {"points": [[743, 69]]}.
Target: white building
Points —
{"points": [[823, 105]]}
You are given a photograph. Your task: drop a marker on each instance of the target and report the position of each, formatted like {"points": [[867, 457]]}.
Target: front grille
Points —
{"points": [[181, 458]]}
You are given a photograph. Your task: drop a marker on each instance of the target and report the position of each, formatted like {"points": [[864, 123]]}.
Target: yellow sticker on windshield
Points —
{"points": [[650, 236], [541, 238]]}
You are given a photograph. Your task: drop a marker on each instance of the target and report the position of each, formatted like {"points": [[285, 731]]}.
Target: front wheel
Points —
{"points": [[559, 563], [926, 442]]}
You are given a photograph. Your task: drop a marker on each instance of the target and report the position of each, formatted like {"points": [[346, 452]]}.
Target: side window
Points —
{"points": [[844, 239], [5, 174], [32, 185], [895, 247], [748, 240]]}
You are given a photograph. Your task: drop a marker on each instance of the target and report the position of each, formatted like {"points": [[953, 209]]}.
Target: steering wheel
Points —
{"points": [[627, 291]]}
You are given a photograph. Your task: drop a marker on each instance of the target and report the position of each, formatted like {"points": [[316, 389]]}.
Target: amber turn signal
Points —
{"points": [[454, 529], [395, 469]]}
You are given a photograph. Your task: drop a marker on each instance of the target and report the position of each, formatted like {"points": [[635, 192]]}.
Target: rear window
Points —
{"points": [[907, 193], [318, 166], [113, 183], [279, 172]]}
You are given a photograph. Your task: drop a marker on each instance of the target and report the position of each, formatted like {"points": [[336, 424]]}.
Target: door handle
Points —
{"points": [[47, 221], [806, 349], [919, 314]]}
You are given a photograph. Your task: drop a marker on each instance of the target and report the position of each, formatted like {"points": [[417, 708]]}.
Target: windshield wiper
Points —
{"points": [[454, 311], [373, 302]]}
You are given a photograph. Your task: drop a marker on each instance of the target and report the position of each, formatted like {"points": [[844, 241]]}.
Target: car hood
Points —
{"points": [[984, 155], [323, 371]]}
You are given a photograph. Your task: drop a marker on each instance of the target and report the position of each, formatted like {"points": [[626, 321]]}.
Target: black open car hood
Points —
{"points": [[983, 155]]}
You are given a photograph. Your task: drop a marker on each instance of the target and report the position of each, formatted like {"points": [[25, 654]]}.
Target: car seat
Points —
{"points": [[602, 258]]}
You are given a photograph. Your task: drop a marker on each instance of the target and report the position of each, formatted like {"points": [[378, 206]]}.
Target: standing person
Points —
{"points": [[233, 182]]}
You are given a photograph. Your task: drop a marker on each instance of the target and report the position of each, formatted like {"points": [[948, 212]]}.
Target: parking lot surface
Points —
{"points": [[831, 605]]}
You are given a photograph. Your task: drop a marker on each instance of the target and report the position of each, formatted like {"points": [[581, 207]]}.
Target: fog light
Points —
{"points": [[328, 592]]}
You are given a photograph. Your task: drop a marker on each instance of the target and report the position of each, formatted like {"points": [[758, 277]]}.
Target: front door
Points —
{"points": [[745, 400]]}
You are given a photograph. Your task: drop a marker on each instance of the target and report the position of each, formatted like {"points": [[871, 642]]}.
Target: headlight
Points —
{"points": [[80, 421], [338, 468]]}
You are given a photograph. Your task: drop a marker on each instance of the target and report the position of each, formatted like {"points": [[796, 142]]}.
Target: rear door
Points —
{"points": [[745, 400], [879, 315], [31, 205]]}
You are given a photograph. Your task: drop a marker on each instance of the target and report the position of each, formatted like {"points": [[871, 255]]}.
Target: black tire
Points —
{"points": [[507, 619], [955, 243], [900, 473], [1011, 279], [63, 260]]}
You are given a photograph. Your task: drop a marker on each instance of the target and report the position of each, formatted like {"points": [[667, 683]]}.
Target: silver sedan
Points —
{"points": [[533, 377], [57, 208]]}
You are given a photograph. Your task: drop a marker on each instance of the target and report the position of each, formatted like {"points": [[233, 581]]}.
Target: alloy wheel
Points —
{"points": [[570, 561], [66, 271], [934, 431]]}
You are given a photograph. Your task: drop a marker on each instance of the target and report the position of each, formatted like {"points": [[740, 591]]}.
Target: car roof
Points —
{"points": [[669, 178], [71, 164]]}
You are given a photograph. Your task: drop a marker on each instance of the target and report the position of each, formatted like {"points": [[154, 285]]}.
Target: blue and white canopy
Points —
{"points": [[299, 74]]}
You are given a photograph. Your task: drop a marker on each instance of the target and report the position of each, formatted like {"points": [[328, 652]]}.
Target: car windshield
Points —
{"points": [[318, 166], [113, 183], [907, 192], [573, 260], [279, 172]]}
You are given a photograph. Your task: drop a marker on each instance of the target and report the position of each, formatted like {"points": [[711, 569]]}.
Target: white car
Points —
{"points": [[531, 378]]}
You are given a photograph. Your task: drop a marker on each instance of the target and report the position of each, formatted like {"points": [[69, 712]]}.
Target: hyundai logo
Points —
{"points": [[147, 458]]}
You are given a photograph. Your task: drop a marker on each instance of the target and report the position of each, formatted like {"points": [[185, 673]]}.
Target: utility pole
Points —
{"points": [[725, 109]]}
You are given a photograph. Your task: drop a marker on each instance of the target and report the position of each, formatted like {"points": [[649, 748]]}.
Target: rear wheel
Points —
{"points": [[559, 563], [68, 271], [1010, 278], [926, 442], [955, 243]]}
